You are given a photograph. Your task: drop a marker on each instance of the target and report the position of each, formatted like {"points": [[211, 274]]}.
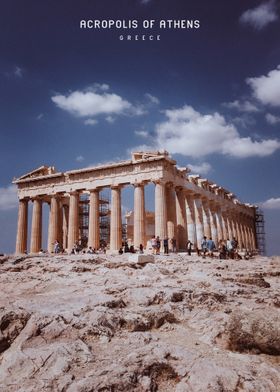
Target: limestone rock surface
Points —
{"points": [[179, 323]]}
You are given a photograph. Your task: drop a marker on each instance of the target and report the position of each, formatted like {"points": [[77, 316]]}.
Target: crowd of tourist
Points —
{"points": [[228, 249]]}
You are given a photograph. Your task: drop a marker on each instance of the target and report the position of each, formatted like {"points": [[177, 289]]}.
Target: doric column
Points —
{"points": [[36, 228], [139, 215], [55, 223], [219, 223], [213, 223], [73, 229], [198, 219], [191, 219], [93, 223], [238, 231], [116, 219], [21, 241], [206, 218], [171, 213], [65, 224], [160, 211], [229, 225], [224, 223], [181, 215]]}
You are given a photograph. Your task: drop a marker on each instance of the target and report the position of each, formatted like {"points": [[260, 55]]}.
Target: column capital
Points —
{"points": [[139, 183]]}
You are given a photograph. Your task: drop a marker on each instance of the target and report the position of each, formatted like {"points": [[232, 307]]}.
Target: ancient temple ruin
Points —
{"points": [[186, 206]]}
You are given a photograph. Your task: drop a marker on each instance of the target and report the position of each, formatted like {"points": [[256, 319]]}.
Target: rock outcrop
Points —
{"points": [[103, 323]]}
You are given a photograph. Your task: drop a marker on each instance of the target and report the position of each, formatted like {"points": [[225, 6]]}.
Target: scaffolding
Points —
{"points": [[104, 219], [260, 231]]}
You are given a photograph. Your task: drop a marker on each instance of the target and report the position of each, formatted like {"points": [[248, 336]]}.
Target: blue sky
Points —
{"points": [[72, 97]]}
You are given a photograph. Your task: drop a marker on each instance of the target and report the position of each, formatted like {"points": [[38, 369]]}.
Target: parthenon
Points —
{"points": [[186, 206]]}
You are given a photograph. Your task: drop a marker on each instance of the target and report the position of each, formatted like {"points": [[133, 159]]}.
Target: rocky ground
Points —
{"points": [[103, 323]]}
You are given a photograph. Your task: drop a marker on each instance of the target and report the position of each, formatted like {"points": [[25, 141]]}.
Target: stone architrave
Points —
{"points": [[171, 214], [36, 227], [116, 219], [139, 215], [181, 214], [198, 219], [73, 229], [160, 212], [93, 224], [21, 241], [190, 215]]}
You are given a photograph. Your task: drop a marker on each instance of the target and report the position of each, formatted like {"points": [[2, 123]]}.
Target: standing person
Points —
{"points": [[56, 247], [158, 245], [141, 249], [229, 249], [165, 245], [211, 246], [204, 244], [189, 247], [174, 245], [154, 245]]}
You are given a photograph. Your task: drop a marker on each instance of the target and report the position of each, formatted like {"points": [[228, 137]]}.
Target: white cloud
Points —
{"points": [[80, 158], [202, 168], [152, 99], [267, 88], [272, 204], [90, 103], [145, 1], [40, 116], [18, 72], [90, 121], [8, 198], [271, 119], [142, 133], [260, 16], [242, 106], [110, 119], [191, 133]]}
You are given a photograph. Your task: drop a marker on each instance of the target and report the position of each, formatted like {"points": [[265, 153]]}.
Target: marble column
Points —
{"points": [[160, 212], [55, 223], [93, 223], [36, 227], [219, 224], [224, 223], [73, 228], [213, 223], [229, 225], [191, 219], [21, 241], [206, 218], [198, 220], [116, 219], [65, 224], [181, 216], [139, 215], [171, 214]]}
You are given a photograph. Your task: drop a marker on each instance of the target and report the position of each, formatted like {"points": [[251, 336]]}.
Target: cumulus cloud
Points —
{"points": [[8, 198], [94, 101], [110, 119], [266, 88], [242, 106], [90, 121], [18, 72], [80, 158], [142, 133], [152, 99], [271, 119], [190, 133], [272, 204], [260, 16], [202, 168]]}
